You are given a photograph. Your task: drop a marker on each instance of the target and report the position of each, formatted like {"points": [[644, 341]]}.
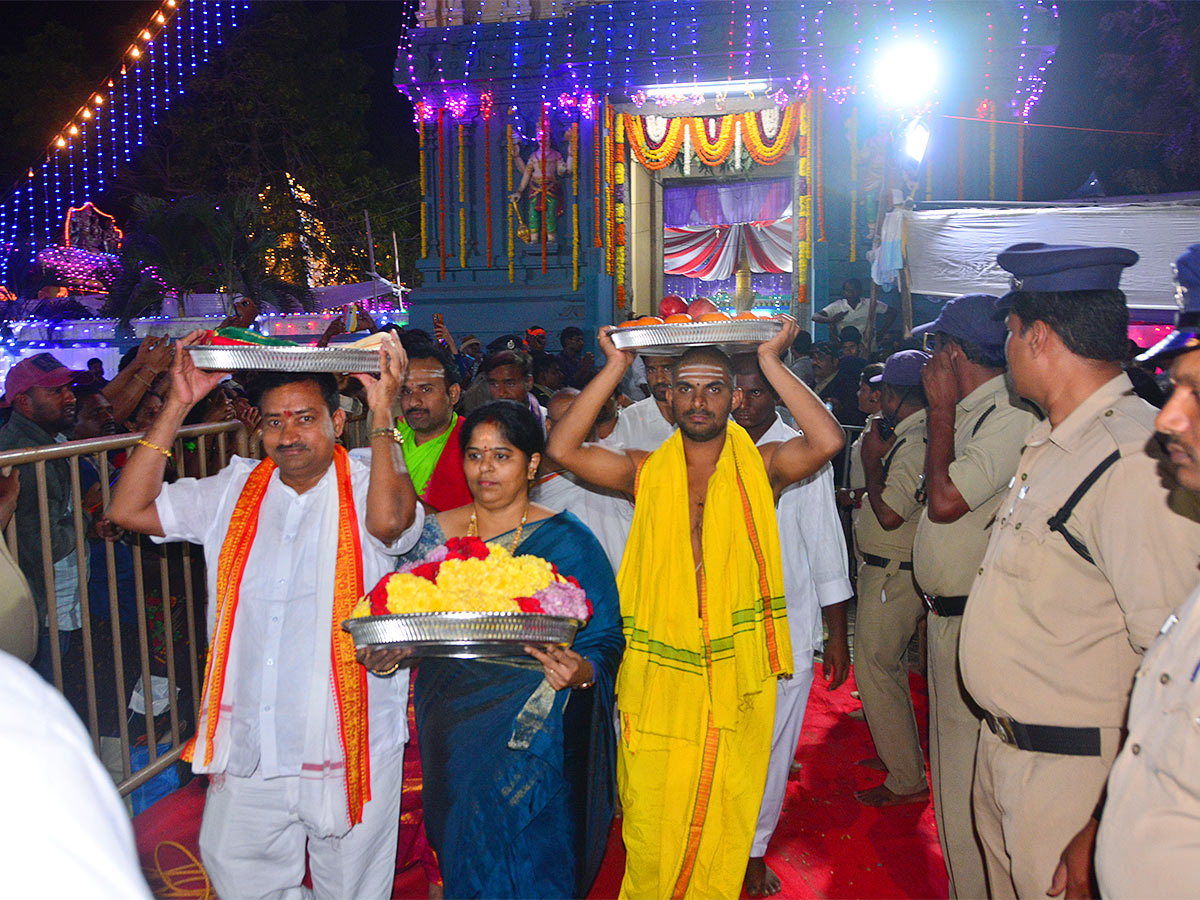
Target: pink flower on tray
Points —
{"points": [[565, 599]]}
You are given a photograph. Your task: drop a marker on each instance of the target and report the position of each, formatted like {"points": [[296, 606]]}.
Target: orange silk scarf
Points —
{"points": [[348, 677]]}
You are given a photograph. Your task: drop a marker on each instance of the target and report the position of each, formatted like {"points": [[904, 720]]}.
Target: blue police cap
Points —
{"points": [[970, 317], [1186, 335], [1044, 268], [903, 368]]}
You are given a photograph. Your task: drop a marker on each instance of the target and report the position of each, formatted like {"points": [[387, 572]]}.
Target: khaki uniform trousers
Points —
{"points": [[953, 735], [882, 631], [1029, 805]]}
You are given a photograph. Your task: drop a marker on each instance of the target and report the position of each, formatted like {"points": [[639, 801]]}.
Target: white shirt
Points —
{"points": [[640, 427], [815, 565], [856, 316], [275, 633], [609, 516], [66, 833]]}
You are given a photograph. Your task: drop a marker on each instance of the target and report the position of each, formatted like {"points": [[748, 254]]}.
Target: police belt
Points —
{"points": [[945, 606], [1045, 738], [883, 562]]}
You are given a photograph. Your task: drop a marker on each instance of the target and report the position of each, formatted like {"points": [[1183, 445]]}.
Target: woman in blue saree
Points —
{"points": [[519, 754]]}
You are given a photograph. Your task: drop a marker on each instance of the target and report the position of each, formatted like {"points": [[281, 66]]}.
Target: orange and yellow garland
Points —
{"points": [[713, 151], [619, 174], [610, 215], [462, 196], [597, 181], [654, 158]]}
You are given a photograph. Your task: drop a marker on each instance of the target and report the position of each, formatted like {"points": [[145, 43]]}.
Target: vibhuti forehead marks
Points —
{"points": [[705, 373]]}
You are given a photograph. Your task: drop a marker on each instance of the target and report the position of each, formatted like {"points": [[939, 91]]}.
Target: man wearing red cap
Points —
{"points": [[38, 390]]}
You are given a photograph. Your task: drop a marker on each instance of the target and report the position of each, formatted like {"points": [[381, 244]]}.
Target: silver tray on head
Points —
{"points": [[465, 635], [673, 339], [285, 359]]}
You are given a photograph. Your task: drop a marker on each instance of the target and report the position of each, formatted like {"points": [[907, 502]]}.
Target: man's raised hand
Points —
{"points": [[779, 344], [612, 355], [190, 385], [393, 369]]}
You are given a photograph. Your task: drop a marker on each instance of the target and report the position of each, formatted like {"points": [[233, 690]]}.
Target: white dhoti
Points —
{"points": [[253, 840], [791, 700]]}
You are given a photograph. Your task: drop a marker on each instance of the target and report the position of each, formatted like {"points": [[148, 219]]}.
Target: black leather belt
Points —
{"points": [[945, 606], [1045, 738], [883, 562]]}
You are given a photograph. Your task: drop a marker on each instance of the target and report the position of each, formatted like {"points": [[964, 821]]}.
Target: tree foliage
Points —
{"points": [[287, 98]]}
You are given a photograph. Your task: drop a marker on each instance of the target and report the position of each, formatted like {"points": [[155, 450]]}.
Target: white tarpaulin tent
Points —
{"points": [[953, 251]]}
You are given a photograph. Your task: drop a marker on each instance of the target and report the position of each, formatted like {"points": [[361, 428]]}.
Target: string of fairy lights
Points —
{"points": [[616, 49], [112, 122]]}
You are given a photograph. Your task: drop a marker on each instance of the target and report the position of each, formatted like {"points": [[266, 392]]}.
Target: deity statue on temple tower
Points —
{"points": [[541, 180]]}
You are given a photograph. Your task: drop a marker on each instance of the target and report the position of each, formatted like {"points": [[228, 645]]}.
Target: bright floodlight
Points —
{"points": [[906, 74], [916, 139]]}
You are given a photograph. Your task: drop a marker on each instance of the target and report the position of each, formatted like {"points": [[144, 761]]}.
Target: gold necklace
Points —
{"points": [[473, 527]]}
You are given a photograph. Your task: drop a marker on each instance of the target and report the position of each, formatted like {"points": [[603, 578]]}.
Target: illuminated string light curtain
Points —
{"points": [[111, 123]]}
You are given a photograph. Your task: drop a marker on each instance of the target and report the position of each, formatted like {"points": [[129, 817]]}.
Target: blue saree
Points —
{"points": [[519, 783]]}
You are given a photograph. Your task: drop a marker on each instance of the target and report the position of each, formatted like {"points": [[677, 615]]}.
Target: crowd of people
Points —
{"points": [[1009, 491]]}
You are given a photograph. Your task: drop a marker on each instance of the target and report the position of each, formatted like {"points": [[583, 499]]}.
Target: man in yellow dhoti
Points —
{"points": [[706, 632]]}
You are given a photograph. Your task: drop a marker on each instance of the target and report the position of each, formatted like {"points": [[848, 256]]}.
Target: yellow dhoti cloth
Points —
{"points": [[696, 689]]}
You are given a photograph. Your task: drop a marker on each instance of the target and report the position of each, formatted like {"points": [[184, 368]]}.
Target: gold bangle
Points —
{"points": [[138, 377], [385, 672], [393, 433], [153, 446]]}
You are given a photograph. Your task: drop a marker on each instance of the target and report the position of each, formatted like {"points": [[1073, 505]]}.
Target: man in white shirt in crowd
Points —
{"points": [[290, 543], [815, 581], [647, 423], [608, 514], [851, 310]]}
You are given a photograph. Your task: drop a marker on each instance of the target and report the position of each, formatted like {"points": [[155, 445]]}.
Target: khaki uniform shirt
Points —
{"points": [[1150, 830], [989, 432], [904, 466], [1049, 638]]}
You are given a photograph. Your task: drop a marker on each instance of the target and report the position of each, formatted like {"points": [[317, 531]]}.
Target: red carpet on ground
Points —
{"points": [[828, 845]]}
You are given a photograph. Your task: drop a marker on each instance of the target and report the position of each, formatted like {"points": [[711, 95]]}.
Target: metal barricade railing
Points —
{"points": [[853, 432], [99, 693]]}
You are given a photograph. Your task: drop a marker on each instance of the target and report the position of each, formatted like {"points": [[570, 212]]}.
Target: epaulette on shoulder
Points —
{"points": [[1129, 424]]}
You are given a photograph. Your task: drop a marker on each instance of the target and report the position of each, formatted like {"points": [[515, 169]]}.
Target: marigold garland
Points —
{"points": [[597, 239], [712, 152], [462, 196], [441, 194], [575, 208], [818, 107], [508, 170], [424, 191], [804, 247], [768, 151], [651, 156], [610, 214], [619, 236]]}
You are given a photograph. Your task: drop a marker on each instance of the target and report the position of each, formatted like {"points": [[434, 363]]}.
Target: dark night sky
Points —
{"points": [[376, 28]]}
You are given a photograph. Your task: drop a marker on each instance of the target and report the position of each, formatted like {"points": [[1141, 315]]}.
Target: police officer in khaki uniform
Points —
{"points": [[893, 455], [1150, 828], [975, 437], [1084, 563]]}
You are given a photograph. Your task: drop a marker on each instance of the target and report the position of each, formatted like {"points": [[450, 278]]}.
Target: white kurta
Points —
{"points": [[815, 575], [279, 658], [609, 516], [640, 427], [66, 833]]}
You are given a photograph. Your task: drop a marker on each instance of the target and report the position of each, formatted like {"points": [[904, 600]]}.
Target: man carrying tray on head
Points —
{"points": [[706, 631], [291, 543]]}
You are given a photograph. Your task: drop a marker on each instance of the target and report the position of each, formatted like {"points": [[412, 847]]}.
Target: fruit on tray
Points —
{"points": [[672, 305]]}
